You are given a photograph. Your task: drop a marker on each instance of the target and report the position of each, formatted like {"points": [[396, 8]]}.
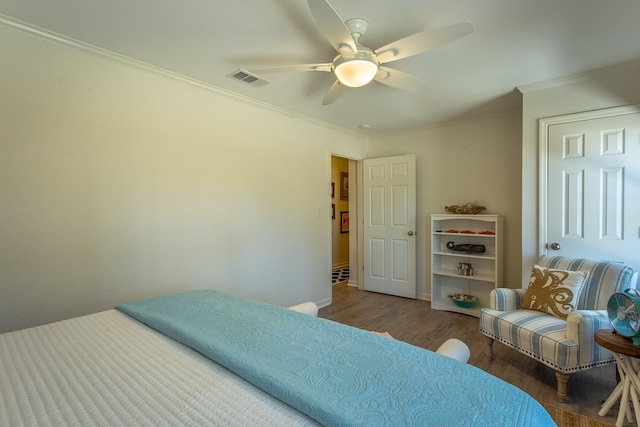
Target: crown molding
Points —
{"points": [[578, 78], [50, 36]]}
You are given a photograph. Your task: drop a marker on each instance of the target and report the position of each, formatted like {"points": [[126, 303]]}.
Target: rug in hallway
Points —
{"points": [[339, 275]]}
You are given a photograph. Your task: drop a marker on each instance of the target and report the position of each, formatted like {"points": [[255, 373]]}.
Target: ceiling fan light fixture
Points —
{"points": [[355, 71]]}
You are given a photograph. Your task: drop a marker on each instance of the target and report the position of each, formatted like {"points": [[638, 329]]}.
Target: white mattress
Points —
{"points": [[107, 369]]}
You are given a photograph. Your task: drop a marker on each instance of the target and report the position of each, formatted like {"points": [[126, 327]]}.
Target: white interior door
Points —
{"points": [[389, 225], [593, 188]]}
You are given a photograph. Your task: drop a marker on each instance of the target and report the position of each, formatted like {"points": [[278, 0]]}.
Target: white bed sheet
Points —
{"points": [[107, 369]]}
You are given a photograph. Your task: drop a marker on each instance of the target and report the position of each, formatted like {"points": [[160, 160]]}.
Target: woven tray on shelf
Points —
{"points": [[467, 208]]}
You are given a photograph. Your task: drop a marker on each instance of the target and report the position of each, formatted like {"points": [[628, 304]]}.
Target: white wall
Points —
{"points": [[606, 88], [470, 161], [119, 183]]}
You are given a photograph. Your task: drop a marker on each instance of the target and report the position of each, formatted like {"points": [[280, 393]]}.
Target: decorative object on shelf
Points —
{"points": [[465, 269], [468, 248], [463, 300], [455, 231], [467, 208]]}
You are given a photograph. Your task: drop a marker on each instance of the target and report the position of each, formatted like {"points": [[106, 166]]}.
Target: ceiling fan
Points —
{"points": [[357, 65]]}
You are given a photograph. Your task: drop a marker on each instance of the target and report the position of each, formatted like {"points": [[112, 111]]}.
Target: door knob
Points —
{"points": [[410, 233], [555, 246]]}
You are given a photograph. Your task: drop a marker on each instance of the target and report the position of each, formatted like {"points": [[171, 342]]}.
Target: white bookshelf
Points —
{"points": [[483, 230]]}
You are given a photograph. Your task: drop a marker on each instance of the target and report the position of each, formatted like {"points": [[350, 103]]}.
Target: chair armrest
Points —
{"points": [[582, 324], [306, 307], [455, 349], [506, 299]]}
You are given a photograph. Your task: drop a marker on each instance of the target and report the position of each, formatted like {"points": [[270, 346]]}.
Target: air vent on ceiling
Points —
{"points": [[248, 78]]}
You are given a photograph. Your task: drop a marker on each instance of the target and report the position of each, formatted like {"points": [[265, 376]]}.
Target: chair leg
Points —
{"points": [[489, 348], [562, 386]]}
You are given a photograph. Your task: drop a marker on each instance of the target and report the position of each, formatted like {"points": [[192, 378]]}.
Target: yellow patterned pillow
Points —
{"points": [[554, 291]]}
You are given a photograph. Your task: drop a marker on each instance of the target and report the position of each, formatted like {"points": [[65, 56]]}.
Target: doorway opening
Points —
{"points": [[339, 220]]}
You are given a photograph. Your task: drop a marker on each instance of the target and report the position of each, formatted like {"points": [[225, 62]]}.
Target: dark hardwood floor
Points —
{"points": [[414, 321]]}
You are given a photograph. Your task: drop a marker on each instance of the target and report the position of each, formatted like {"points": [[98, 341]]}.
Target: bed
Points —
{"points": [[208, 358]]}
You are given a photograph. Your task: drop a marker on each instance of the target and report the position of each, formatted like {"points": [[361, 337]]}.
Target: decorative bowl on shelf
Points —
{"points": [[463, 300], [467, 208]]}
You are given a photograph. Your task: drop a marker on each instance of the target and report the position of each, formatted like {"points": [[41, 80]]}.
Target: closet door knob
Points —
{"points": [[410, 233]]}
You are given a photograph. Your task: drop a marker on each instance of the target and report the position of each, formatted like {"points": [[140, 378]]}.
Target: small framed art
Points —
{"points": [[344, 222], [344, 186]]}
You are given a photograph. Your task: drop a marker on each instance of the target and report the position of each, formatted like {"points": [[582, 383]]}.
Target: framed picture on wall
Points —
{"points": [[344, 222], [344, 186]]}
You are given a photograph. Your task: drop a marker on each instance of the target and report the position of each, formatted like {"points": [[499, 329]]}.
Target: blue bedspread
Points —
{"points": [[336, 374]]}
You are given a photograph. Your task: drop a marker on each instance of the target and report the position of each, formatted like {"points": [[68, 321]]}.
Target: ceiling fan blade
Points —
{"points": [[293, 68], [332, 26], [333, 93], [422, 42], [400, 80]]}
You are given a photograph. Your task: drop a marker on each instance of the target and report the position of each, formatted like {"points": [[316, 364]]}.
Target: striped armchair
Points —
{"points": [[564, 345]]}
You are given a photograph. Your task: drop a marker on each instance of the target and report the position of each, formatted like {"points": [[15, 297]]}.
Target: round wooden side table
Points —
{"points": [[626, 355]]}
